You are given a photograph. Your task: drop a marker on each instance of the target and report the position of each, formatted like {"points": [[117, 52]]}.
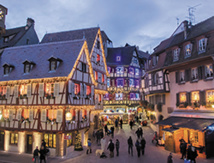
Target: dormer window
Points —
{"points": [[176, 53], [7, 68], [202, 45], [188, 50], [28, 66], [118, 58], [54, 63]]}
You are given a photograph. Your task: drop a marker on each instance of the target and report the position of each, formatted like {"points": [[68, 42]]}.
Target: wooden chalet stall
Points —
{"points": [[46, 92]]}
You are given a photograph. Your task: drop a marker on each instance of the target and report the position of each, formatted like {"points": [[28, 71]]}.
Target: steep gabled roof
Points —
{"points": [[126, 54], [89, 34], [67, 51], [105, 37]]}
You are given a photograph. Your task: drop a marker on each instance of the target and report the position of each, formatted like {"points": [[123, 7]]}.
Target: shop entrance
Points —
{"points": [[29, 143], [2, 140]]}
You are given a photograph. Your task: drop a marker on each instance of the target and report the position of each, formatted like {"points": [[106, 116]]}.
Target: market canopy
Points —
{"points": [[186, 122]]}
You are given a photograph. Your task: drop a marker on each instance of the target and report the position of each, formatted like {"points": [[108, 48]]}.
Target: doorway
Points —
{"points": [[29, 143], [2, 140]]}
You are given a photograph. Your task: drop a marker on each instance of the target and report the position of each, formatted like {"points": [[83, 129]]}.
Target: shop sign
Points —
{"points": [[67, 137]]}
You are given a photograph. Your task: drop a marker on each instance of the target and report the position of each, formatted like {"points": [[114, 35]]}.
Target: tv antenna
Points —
{"points": [[191, 11]]}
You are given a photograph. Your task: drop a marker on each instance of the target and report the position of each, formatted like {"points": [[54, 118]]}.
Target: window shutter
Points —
{"points": [[43, 115], [19, 114], [101, 99], [202, 98], [81, 90], [85, 90], [16, 92], [56, 89], [205, 41], [29, 90], [87, 115], [188, 95], [31, 115], [59, 116], [203, 71], [101, 59], [177, 99], [177, 77], [70, 87], [80, 116], [10, 115], [187, 75], [8, 92], [76, 115], [200, 73], [41, 89]]}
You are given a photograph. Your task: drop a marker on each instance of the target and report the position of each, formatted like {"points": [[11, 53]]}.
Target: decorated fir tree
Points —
{"points": [[78, 143]]}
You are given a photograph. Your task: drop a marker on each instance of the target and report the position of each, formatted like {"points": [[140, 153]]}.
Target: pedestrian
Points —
{"points": [[103, 143], [121, 123], [112, 131], [155, 138], [36, 155], [131, 124], [139, 133], [43, 144], [42, 154], [116, 123], [89, 146], [194, 154], [98, 134], [106, 130], [111, 148], [143, 145], [130, 145], [117, 146], [138, 147], [169, 159], [183, 146]]}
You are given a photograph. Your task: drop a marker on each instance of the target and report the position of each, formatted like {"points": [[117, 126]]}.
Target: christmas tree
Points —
{"points": [[78, 143]]}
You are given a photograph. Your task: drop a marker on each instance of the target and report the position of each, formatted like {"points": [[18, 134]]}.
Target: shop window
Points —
{"points": [[77, 89], [14, 138], [176, 54], [188, 50], [69, 139], [96, 75], [195, 97], [98, 58], [49, 89], [209, 71], [108, 82], [183, 97], [194, 74], [202, 45], [119, 96], [88, 90], [50, 140], [120, 82], [192, 137], [181, 77], [131, 82], [210, 96]]}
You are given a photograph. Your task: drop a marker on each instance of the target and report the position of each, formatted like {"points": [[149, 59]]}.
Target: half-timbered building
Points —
{"points": [[46, 92]]}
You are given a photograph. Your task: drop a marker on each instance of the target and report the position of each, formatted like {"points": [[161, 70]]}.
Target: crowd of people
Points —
{"points": [[41, 155]]}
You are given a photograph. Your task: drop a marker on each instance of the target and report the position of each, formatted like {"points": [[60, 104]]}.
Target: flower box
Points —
{"points": [[49, 96]]}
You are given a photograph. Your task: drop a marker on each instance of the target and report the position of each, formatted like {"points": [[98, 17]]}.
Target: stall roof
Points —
{"points": [[171, 129], [185, 122]]}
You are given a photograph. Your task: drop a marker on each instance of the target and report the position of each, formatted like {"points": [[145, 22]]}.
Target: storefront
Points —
{"points": [[110, 117]]}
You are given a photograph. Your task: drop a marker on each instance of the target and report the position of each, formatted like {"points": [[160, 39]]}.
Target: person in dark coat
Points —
{"points": [[116, 123], [130, 145], [138, 147], [111, 148], [143, 145], [194, 154], [43, 144], [139, 133], [169, 159], [117, 146], [112, 131], [42, 154], [183, 147], [189, 152], [36, 155], [131, 124], [106, 129], [121, 123]]}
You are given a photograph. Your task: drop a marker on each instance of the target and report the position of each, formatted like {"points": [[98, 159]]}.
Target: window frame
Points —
{"points": [[194, 74], [53, 62], [88, 90], [180, 76], [24, 87], [180, 94], [16, 138], [83, 67], [188, 50], [50, 142], [76, 88], [176, 54], [202, 45], [51, 88], [192, 95], [210, 71]]}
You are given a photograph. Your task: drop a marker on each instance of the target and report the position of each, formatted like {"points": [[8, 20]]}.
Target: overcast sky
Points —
{"points": [[138, 22]]}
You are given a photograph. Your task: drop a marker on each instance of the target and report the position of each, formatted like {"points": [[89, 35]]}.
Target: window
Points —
{"points": [[118, 58], [50, 140], [52, 114], [119, 96], [76, 89], [193, 137], [13, 138], [120, 70], [194, 74], [83, 67], [137, 83], [137, 96], [27, 68], [96, 75], [182, 79], [195, 97], [88, 90], [69, 139], [155, 78], [106, 96], [154, 60], [183, 97], [100, 98], [209, 71], [52, 65], [188, 50], [3, 90], [131, 71], [210, 96], [98, 44], [120, 82], [103, 78], [98, 58], [6, 70], [137, 72], [23, 89], [176, 53], [108, 83], [202, 45], [132, 96], [49, 88], [131, 82]]}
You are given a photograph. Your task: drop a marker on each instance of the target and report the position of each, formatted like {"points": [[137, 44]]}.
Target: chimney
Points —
{"points": [[185, 28], [30, 22]]}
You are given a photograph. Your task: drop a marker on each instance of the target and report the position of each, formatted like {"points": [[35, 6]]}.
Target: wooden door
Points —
{"points": [[29, 143], [2, 140]]}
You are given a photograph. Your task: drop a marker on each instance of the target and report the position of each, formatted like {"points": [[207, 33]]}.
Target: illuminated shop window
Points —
{"points": [[195, 97], [119, 96], [192, 137], [14, 138], [120, 82], [210, 96], [69, 140], [183, 97], [23, 89], [50, 140]]}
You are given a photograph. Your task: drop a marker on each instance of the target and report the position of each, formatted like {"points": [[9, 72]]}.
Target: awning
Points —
{"points": [[185, 122], [171, 129]]}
